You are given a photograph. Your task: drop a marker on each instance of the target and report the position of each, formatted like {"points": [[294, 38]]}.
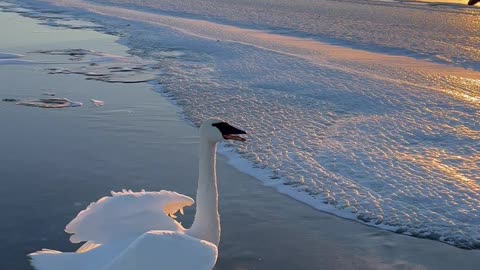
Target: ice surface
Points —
{"points": [[77, 24], [14, 62], [50, 103], [108, 73], [97, 103], [449, 32], [392, 141], [9, 55], [5, 4], [104, 67], [12, 59]]}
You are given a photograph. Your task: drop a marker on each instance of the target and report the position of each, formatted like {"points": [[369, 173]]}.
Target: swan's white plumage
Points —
{"points": [[94, 259], [126, 215], [153, 250], [125, 222], [143, 253]]}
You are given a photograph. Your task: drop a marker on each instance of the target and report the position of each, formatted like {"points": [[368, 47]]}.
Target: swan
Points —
{"points": [[138, 231]]}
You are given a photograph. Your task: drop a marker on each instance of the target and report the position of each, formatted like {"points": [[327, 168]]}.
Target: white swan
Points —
{"points": [[137, 230]]}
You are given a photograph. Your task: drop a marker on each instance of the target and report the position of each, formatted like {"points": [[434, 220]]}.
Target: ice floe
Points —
{"points": [[50, 103], [97, 102], [104, 67]]}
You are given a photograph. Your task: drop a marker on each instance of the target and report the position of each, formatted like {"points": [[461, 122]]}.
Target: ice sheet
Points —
{"points": [[390, 140]]}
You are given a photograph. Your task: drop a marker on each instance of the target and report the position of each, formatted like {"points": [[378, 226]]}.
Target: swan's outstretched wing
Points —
{"points": [[166, 250], [127, 215]]}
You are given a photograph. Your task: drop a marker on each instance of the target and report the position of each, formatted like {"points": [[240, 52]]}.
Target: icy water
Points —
{"points": [[366, 109]]}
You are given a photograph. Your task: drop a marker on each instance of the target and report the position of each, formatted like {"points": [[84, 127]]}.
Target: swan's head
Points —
{"points": [[217, 130]]}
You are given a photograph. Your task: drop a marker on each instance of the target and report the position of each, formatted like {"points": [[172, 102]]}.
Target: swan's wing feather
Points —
{"points": [[127, 214], [90, 256], [166, 250], [152, 250], [87, 246]]}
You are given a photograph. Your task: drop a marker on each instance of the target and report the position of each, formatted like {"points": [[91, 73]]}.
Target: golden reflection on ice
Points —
{"points": [[435, 161], [471, 82], [460, 2], [462, 88], [467, 132]]}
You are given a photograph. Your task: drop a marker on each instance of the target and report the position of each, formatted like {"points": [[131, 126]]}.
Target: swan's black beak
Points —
{"points": [[229, 132]]}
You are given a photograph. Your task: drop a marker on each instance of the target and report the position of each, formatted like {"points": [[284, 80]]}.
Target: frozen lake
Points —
{"points": [[365, 109]]}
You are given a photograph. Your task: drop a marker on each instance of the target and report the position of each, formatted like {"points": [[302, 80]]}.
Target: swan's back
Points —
{"points": [[167, 250], [127, 215]]}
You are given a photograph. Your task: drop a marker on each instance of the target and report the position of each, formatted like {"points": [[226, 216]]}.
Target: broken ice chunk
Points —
{"points": [[97, 103]]}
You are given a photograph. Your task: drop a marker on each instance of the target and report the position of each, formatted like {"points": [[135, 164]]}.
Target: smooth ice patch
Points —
{"points": [[15, 62], [12, 59], [6, 4], [4, 55], [77, 24]]}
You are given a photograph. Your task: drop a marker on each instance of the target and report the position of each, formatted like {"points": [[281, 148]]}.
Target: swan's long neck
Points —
{"points": [[206, 225]]}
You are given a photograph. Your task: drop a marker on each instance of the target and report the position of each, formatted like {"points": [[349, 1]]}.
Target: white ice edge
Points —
{"points": [[265, 175]]}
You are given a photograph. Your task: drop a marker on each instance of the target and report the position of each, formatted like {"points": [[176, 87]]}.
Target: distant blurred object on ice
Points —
{"points": [[10, 100], [97, 103]]}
